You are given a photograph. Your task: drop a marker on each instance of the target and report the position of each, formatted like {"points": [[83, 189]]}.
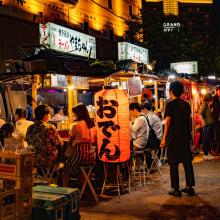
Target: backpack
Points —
{"points": [[153, 142]]}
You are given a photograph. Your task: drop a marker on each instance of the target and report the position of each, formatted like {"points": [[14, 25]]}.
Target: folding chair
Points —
{"points": [[86, 171], [163, 155], [48, 173], [155, 158]]}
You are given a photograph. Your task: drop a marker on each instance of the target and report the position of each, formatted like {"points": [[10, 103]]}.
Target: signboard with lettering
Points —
{"points": [[170, 26], [58, 80], [127, 51], [185, 67], [134, 86], [67, 40], [79, 82]]}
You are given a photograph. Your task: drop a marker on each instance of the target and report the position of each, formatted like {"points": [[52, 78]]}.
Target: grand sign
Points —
{"points": [[128, 51], [67, 40], [169, 26]]}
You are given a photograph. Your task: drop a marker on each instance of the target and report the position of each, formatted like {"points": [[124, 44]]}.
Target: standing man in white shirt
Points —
{"points": [[139, 127]]}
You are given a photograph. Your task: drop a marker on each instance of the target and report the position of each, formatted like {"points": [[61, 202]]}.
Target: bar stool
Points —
{"points": [[130, 177], [119, 181], [139, 166]]}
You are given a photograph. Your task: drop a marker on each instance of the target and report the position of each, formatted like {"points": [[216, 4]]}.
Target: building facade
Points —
{"points": [[103, 19], [196, 15]]}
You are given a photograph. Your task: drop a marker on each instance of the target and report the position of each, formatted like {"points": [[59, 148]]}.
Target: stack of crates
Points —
{"points": [[16, 174], [8, 205], [55, 203]]}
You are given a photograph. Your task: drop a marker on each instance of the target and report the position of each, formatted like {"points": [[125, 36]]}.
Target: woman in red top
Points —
{"points": [[82, 131]]}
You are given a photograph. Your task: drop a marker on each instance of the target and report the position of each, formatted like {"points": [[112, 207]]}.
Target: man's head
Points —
{"points": [[176, 89], [218, 91], [135, 109], [58, 110], [207, 97], [146, 107], [20, 113]]}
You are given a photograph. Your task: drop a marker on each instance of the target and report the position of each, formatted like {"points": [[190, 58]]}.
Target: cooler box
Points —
{"points": [[71, 208], [47, 206]]}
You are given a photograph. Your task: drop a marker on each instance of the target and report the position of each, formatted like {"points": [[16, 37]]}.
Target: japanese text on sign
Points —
{"points": [[66, 40], [133, 52]]}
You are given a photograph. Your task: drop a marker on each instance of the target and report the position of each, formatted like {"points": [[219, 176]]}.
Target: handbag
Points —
{"points": [[153, 142], [70, 150]]}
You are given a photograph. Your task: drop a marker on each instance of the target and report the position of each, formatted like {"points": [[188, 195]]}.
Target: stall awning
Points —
{"points": [[49, 61]]}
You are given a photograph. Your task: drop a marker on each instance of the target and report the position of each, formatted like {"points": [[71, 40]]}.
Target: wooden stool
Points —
{"points": [[139, 166], [128, 165], [86, 171]]}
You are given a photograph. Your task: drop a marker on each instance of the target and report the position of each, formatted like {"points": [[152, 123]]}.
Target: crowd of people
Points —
{"points": [[175, 136]]}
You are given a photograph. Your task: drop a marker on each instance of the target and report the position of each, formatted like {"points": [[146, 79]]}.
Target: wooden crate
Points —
{"points": [[11, 182], [23, 207], [16, 165], [8, 205]]}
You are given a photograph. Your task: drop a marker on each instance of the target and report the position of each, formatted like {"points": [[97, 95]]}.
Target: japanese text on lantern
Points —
{"points": [[112, 123], [109, 112]]}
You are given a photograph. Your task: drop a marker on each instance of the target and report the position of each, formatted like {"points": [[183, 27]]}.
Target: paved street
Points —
{"points": [[153, 201]]}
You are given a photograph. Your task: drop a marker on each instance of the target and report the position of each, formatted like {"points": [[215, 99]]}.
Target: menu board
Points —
{"points": [[134, 86]]}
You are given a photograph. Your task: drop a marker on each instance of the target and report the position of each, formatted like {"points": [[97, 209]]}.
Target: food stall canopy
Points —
{"points": [[49, 61]]}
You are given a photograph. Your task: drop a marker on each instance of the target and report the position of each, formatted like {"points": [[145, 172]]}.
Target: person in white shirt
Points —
{"points": [[154, 120], [59, 116], [2, 122], [139, 127], [21, 125]]}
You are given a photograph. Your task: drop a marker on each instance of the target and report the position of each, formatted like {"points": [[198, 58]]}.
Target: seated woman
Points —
{"points": [[8, 142], [21, 125], [44, 139], [82, 131]]}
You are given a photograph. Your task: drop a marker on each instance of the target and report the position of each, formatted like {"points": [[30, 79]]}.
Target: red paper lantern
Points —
{"points": [[112, 124]]}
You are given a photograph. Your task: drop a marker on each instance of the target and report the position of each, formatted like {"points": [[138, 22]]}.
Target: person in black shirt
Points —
{"points": [[177, 139]]}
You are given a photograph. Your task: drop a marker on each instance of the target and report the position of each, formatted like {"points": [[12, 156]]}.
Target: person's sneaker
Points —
{"points": [[189, 191], [208, 157], [176, 193]]}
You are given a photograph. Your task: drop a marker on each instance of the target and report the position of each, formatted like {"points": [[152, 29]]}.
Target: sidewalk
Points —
{"points": [[153, 201]]}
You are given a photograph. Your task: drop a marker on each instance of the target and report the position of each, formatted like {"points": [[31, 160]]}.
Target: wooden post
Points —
{"points": [[156, 95], [34, 92], [75, 100], [70, 97], [8, 89]]}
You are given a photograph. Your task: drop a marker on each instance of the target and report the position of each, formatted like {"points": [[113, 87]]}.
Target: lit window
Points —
{"points": [[110, 4], [130, 10]]}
